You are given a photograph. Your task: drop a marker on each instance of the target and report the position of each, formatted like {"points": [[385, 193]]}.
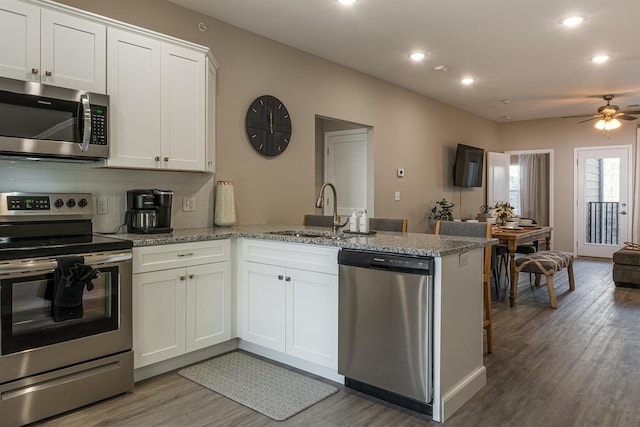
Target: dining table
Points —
{"points": [[512, 238]]}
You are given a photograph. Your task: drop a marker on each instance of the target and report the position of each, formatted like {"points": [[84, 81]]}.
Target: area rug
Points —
{"points": [[272, 390]]}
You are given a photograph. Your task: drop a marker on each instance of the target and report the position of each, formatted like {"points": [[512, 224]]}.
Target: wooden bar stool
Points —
{"points": [[547, 263]]}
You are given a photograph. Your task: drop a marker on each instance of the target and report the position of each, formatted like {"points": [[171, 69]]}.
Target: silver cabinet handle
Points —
{"points": [[166, 159], [86, 118], [191, 276], [288, 279], [182, 278], [280, 277], [47, 73], [184, 255], [34, 71]]}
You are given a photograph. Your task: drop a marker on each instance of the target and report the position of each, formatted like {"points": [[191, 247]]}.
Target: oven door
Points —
{"points": [[35, 338]]}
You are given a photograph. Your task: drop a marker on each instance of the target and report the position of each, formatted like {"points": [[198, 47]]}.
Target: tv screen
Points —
{"points": [[468, 166]]}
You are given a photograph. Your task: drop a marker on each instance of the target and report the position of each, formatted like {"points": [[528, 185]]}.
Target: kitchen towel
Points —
{"points": [[70, 278]]}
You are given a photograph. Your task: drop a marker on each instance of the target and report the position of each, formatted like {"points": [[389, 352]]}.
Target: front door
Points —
{"points": [[603, 210]]}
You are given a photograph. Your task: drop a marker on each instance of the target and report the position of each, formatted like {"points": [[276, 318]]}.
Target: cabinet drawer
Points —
{"points": [[162, 257], [291, 255]]}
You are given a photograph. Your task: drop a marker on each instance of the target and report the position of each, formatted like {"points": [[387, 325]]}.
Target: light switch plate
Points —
{"points": [[102, 205], [188, 204], [397, 196]]}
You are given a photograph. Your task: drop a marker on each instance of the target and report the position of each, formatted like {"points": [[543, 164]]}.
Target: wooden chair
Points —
{"points": [[475, 229], [318, 220], [386, 224]]}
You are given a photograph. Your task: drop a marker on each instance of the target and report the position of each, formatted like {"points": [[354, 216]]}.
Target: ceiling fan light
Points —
{"points": [[608, 124]]}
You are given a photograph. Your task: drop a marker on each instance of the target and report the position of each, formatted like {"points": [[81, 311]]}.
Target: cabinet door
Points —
{"points": [[158, 316], [19, 40], [262, 305], [312, 317], [183, 108], [208, 305], [134, 89], [73, 52]]}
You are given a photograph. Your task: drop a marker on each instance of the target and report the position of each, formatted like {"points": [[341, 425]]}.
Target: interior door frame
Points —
{"points": [[548, 151], [630, 174]]}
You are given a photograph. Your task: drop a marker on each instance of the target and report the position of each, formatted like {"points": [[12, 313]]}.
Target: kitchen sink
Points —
{"points": [[312, 234]]}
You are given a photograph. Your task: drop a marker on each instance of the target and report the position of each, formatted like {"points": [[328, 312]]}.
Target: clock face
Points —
{"points": [[268, 125]]}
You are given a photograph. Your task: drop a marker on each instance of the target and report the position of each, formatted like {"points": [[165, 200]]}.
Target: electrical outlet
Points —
{"points": [[397, 196], [188, 204], [103, 205]]}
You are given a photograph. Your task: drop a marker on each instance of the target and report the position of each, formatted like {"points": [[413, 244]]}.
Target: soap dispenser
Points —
{"points": [[353, 222], [364, 222]]}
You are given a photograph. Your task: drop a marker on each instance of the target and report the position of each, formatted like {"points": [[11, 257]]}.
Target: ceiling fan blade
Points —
{"points": [[588, 120], [625, 117], [581, 115], [631, 112]]}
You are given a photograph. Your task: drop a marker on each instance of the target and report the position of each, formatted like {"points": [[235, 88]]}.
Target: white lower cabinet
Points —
{"points": [[182, 309], [287, 309]]}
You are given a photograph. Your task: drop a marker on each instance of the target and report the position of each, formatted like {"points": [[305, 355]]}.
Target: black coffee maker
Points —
{"points": [[149, 211]]}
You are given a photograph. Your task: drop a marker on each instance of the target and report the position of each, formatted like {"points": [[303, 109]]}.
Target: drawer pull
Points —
{"points": [[280, 277], [184, 255]]}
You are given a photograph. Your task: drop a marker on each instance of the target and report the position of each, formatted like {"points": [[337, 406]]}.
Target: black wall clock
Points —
{"points": [[268, 125]]}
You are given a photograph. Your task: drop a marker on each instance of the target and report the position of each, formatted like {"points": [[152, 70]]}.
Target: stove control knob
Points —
{"points": [[71, 203], [58, 203], [82, 203]]}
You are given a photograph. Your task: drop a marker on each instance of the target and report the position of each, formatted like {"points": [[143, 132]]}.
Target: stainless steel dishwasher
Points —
{"points": [[385, 326]]}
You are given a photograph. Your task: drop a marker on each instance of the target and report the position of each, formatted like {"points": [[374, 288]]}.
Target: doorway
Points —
{"points": [[603, 196]]}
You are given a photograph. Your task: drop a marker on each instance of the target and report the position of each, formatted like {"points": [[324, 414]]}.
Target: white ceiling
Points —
{"points": [[516, 49]]}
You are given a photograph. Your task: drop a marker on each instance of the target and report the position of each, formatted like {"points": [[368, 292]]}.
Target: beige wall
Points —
{"points": [[562, 135], [410, 131]]}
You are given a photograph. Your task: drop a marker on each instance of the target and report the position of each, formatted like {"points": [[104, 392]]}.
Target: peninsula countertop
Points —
{"points": [[418, 244]]}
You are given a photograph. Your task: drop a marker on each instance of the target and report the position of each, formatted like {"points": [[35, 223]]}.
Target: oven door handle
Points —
{"points": [[40, 264]]}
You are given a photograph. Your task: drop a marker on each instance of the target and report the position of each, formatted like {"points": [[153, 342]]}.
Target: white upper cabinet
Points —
{"points": [[158, 101], [51, 47], [133, 82], [183, 97]]}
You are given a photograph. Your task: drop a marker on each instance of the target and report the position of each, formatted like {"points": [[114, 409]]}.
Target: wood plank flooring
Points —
{"points": [[574, 366]]}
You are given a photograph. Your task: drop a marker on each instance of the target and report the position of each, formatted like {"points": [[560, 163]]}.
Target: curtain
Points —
{"points": [[534, 187], [635, 206]]}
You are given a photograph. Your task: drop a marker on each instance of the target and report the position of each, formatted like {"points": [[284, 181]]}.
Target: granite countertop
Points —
{"points": [[402, 243]]}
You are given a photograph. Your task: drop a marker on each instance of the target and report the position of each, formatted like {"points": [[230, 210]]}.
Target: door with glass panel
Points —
{"points": [[603, 211]]}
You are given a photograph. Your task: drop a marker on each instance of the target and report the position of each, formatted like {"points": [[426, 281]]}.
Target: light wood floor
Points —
{"points": [[574, 366]]}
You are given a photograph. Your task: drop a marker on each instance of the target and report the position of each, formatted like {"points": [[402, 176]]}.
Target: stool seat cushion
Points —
{"points": [[627, 257], [544, 262]]}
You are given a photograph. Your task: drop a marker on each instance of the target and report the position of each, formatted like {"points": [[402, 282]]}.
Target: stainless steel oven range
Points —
{"points": [[65, 308]]}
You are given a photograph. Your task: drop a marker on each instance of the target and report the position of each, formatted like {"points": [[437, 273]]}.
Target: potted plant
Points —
{"points": [[503, 211], [442, 210]]}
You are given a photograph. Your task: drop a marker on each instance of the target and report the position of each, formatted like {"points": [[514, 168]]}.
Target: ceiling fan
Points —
{"points": [[609, 115]]}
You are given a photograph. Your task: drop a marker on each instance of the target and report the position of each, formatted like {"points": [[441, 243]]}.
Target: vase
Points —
{"points": [[225, 212]]}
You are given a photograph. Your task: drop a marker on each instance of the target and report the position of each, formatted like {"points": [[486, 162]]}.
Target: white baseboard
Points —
{"points": [[462, 392]]}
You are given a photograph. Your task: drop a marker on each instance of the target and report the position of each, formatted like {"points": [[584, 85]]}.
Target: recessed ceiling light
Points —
{"points": [[506, 117], [599, 59], [467, 80], [442, 68], [506, 101], [417, 56], [346, 2], [572, 21]]}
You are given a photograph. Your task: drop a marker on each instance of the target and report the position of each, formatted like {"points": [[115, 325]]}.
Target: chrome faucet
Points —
{"points": [[320, 204]]}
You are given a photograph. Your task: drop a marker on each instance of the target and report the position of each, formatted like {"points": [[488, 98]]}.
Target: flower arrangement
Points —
{"points": [[503, 210], [443, 210]]}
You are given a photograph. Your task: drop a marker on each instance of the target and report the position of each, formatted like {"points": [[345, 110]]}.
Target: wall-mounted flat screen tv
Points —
{"points": [[468, 166]]}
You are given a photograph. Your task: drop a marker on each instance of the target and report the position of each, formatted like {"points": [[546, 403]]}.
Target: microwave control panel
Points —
{"points": [[98, 125]]}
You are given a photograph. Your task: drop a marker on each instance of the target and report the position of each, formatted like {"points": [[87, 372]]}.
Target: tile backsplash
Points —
{"points": [[111, 185]]}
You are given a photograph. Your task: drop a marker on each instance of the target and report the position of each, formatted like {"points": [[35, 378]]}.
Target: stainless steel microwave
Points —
{"points": [[47, 122]]}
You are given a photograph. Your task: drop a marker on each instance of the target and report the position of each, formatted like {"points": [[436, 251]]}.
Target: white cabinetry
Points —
{"points": [[51, 47], [288, 299], [181, 299], [160, 93]]}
